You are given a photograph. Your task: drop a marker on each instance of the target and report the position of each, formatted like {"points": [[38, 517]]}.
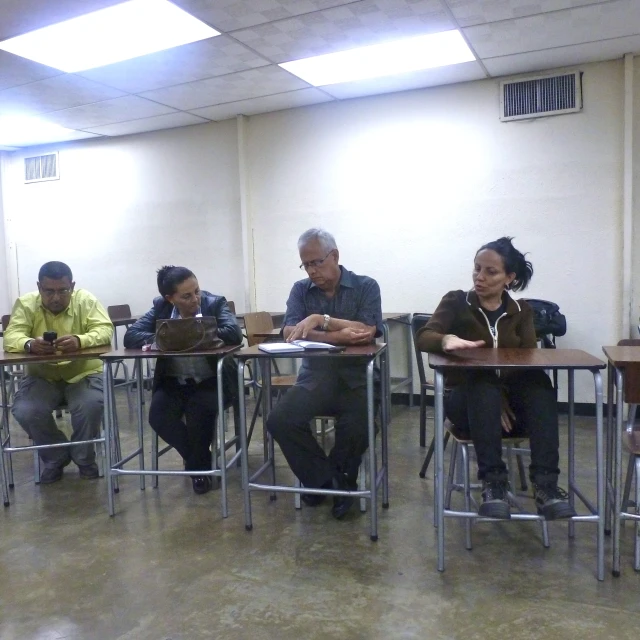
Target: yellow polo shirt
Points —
{"points": [[85, 318]]}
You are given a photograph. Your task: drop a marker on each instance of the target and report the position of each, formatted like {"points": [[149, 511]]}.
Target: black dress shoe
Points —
{"points": [[201, 484], [341, 504], [312, 499]]}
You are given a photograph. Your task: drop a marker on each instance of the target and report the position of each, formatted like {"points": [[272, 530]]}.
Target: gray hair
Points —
{"points": [[324, 238]]}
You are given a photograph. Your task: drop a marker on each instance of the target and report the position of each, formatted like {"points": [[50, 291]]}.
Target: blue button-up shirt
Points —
{"points": [[357, 299]]}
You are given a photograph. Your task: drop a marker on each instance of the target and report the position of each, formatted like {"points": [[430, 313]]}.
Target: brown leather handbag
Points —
{"points": [[188, 334]]}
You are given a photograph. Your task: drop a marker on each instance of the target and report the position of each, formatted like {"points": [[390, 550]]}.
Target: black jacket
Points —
{"points": [[143, 332]]}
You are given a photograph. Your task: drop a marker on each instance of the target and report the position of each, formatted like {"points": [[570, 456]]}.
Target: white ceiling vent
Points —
{"points": [[541, 96], [40, 168]]}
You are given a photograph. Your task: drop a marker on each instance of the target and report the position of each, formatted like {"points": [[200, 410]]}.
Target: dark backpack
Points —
{"points": [[548, 322]]}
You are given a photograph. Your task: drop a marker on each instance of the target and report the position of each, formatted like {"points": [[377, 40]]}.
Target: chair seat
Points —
{"points": [[283, 381]]}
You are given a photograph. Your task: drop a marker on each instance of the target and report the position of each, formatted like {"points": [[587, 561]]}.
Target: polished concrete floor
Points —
{"points": [[168, 567]]}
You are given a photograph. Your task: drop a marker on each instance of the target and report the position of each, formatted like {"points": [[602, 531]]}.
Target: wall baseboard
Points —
{"points": [[587, 409]]}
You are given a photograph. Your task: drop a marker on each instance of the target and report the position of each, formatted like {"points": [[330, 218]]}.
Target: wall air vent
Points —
{"points": [[41, 168], [541, 96]]}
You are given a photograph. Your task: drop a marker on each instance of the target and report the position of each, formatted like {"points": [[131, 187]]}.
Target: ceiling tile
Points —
{"points": [[60, 92], [414, 80], [228, 15], [472, 12], [20, 16], [354, 25], [562, 56], [233, 87], [15, 71], [168, 121], [107, 112], [205, 59], [288, 100], [562, 28]]}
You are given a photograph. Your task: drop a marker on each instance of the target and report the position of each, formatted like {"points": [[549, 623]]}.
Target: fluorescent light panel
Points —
{"points": [[118, 33], [387, 59], [23, 131]]}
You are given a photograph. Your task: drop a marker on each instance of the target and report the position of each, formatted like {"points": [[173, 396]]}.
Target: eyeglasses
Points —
{"points": [[52, 293], [315, 263]]}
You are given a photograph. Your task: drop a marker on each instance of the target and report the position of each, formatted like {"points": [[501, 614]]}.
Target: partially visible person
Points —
{"points": [[184, 403], [80, 321], [488, 404], [336, 306]]}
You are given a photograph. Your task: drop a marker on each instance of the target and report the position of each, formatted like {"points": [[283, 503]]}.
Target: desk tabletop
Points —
{"points": [[27, 358], [367, 351], [622, 356], [122, 354], [515, 358]]}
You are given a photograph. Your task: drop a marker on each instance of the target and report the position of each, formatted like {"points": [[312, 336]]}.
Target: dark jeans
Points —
{"points": [[198, 404], [289, 420], [476, 406]]}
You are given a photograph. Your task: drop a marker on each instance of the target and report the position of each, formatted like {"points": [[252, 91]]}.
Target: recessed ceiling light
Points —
{"points": [[23, 131], [378, 60], [121, 32]]}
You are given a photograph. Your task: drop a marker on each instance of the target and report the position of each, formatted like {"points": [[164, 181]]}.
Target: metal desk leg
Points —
{"points": [[572, 448], [617, 474], [222, 422], [600, 481], [385, 417], [439, 471], [269, 446], [373, 485], [3, 431], [138, 365], [609, 450], [409, 342], [244, 454], [108, 432]]}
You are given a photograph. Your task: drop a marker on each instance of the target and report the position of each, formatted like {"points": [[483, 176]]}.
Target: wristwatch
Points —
{"points": [[27, 346], [325, 326]]}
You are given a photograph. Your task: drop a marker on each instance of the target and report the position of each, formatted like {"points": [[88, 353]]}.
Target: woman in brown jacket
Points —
{"points": [[488, 404]]}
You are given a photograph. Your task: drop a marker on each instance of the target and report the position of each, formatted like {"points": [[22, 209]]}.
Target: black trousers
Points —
{"points": [[289, 420], [476, 406], [192, 436]]}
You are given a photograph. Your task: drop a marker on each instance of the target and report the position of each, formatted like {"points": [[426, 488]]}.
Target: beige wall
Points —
{"points": [[413, 183], [125, 206], [410, 183]]}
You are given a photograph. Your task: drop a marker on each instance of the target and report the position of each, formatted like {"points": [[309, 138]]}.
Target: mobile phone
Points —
{"points": [[49, 336]]}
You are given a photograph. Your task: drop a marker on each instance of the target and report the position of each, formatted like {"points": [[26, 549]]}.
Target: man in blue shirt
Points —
{"points": [[339, 307]]}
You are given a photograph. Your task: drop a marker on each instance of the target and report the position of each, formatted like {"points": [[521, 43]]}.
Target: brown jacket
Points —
{"points": [[459, 313]]}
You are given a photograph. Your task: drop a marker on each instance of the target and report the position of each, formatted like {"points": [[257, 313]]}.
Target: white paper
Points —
{"points": [[280, 347], [309, 344]]}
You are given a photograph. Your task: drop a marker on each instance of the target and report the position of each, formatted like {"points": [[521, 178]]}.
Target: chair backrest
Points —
{"points": [[232, 306], [118, 311], [629, 342], [418, 320], [5, 322], [258, 322]]}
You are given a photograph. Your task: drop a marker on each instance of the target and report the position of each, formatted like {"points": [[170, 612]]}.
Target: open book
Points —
{"points": [[297, 345]]}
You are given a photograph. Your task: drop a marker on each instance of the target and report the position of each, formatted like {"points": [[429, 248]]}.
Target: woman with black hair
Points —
{"points": [[184, 402], [488, 404]]}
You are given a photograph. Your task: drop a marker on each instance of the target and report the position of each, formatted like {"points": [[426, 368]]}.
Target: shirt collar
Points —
{"points": [[346, 279], [512, 306]]}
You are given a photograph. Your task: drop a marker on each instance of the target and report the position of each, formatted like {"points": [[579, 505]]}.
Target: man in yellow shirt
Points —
{"points": [[79, 321]]}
